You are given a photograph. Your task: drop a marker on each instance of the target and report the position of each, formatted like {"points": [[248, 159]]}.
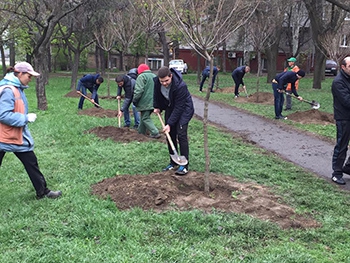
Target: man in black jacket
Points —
{"points": [[171, 94], [237, 76], [341, 106], [128, 84], [279, 85]]}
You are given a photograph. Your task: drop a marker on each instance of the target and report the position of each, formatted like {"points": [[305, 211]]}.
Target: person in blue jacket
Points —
{"points": [[237, 76], [172, 96], [14, 118], [205, 75], [89, 82], [279, 85]]}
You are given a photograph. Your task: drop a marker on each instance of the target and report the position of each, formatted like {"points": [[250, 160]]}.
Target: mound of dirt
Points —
{"points": [[312, 117], [166, 191]]}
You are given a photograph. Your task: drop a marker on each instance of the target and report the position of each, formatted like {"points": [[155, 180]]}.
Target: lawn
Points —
{"points": [[80, 227]]}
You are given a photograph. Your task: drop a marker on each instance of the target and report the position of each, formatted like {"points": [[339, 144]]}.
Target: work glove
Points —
{"points": [[31, 117]]}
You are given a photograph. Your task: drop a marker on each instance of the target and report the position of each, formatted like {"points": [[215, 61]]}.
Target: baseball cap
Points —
{"points": [[292, 59], [25, 67]]}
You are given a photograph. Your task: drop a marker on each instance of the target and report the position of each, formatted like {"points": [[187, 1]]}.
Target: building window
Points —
{"points": [[344, 41]]}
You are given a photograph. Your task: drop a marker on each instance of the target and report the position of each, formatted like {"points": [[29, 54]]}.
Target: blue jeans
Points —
{"points": [[278, 100], [125, 107], [83, 89]]}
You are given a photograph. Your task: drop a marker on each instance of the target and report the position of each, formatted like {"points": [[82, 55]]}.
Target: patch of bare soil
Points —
{"points": [[312, 117], [165, 191]]}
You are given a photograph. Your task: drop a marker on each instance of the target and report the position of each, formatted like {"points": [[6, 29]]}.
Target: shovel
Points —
{"points": [[118, 112], [314, 104], [245, 90], [86, 97], [180, 160]]}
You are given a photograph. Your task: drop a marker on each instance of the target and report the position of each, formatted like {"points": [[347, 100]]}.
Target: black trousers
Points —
{"points": [[341, 148], [30, 163], [178, 133]]}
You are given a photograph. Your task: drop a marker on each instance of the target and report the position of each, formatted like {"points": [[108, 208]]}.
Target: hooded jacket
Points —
{"points": [[179, 107], [15, 119], [341, 96]]}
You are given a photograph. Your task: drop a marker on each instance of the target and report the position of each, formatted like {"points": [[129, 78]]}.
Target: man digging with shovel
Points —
{"points": [[172, 96]]}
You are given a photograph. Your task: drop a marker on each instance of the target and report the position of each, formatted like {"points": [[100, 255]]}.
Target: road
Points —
{"points": [[300, 148]]}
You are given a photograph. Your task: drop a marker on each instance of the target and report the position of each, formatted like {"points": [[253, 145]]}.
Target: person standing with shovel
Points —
{"points": [[171, 95]]}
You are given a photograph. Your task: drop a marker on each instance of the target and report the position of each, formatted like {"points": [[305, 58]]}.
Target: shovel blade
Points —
{"points": [[315, 105], [180, 160]]}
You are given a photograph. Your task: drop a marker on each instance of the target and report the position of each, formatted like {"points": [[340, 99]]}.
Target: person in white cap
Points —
{"points": [[14, 117]]}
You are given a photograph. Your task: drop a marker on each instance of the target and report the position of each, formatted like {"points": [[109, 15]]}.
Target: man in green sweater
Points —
{"points": [[143, 100]]}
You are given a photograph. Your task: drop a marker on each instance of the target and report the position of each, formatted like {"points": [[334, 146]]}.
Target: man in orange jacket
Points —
{"points": [[291, 67]]}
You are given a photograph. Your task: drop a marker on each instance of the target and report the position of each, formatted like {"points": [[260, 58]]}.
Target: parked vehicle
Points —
{"points": [[179, 65], [331, 67]]}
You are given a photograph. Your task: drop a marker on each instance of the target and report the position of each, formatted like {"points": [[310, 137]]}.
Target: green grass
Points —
{"points": [[80, 227]]}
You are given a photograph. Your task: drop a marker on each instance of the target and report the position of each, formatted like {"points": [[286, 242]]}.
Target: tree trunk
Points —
{"points": [[205, 127], [271, 55], [165, 47], [3, 59], [41, 65], [75, 69], [318, 69]]}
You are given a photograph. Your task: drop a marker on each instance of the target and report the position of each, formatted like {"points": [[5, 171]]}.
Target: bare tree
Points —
{"points": [[332, 43], [76, 33], [325, 19], [342, 4], [258, 32], [206, 24], [41, 20]]}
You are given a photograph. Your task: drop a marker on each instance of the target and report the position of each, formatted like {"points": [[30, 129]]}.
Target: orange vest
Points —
{"points": [[11, 134]]}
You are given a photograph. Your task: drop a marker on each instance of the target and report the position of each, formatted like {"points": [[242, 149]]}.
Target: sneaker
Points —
{"points": [[53, 194], [182, 170], [338, 180], [288, 109], [135, 127], [126, 125], [236, 96], [155, 136], [169, 167], [281, 117], [346, 169]]}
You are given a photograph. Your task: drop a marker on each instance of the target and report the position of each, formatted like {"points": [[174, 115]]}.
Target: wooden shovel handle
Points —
{"points": [[86, 97], [167, 134], [118, 113]]}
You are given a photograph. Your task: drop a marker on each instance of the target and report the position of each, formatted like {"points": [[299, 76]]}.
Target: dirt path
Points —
{"points": [[312, 153]]}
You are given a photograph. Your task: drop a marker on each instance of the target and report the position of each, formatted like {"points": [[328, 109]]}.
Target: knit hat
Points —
{"points": [[292, 59], [142, 68], [301, 73]]}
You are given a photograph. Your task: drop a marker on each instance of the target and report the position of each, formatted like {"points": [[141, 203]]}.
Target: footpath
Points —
{"points": [[300, 148]]}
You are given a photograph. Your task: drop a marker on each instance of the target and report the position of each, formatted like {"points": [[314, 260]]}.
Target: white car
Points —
{"points": [[179, 65]]}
